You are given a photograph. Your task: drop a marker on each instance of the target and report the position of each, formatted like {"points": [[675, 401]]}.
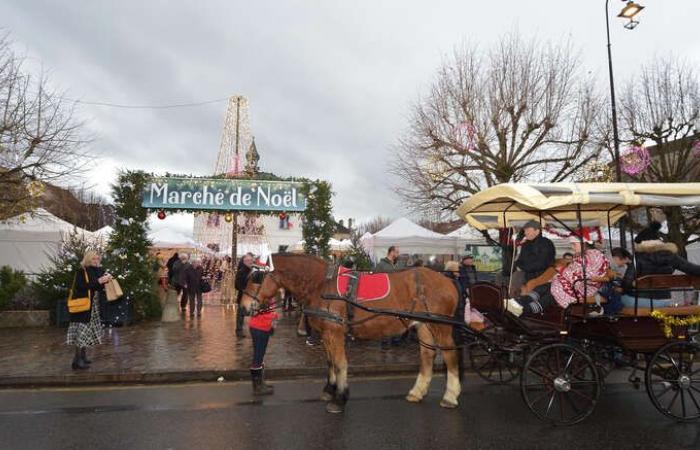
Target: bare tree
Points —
{"points": [[660, 108], [373, 225], [40, 140], [519, 111]]}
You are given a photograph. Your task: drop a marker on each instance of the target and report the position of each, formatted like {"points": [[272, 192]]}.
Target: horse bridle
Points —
{"points": [[255, 304]]}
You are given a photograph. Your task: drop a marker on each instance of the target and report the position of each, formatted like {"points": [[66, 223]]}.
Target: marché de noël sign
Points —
{"points": [[261, 196]]}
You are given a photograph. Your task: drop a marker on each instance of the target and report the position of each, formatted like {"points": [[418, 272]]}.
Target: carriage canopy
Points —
{"points": [[513, 204]]}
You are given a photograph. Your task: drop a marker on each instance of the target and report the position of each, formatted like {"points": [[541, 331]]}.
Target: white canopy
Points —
{"points": [[411, 238], [28, 241], [512, 204], [169, 238]]}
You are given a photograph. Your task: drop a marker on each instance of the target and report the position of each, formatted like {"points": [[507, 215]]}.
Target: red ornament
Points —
{"points": [[161, 214], [283, 216]]}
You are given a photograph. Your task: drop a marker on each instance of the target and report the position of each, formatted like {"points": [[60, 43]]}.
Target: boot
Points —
{"points": [[78, 363], [259, 386], [83, 355]]}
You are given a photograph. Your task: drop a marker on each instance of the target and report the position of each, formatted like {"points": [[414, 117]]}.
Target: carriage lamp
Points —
{"points": [[630, 10]]}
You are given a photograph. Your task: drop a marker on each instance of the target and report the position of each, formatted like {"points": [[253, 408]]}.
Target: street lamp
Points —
{"points": [[630, 10]]}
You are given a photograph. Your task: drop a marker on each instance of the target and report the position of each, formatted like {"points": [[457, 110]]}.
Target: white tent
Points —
{"points": [[411, 238], [169, 238], [27, 241]]}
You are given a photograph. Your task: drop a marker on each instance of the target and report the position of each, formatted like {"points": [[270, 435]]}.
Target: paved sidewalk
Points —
{"points": [[189, 350]]}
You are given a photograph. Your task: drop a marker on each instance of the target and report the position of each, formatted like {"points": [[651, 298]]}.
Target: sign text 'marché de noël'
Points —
{"points": [[223, 194]]}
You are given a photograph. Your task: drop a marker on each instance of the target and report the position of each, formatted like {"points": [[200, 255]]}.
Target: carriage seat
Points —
{"points": [[688, 310], [370, 286]]}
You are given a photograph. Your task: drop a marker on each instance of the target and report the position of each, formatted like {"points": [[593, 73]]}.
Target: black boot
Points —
{"points": [[78, 363], [83, 355], [259, 386]]}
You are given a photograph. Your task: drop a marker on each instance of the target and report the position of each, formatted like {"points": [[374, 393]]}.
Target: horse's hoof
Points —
{"points": [[334, 408], [447, 404], [413, 399], [326, 397]]}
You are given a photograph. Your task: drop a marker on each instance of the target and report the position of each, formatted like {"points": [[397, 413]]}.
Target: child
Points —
{"points": [[623, 270], [261, 328]]}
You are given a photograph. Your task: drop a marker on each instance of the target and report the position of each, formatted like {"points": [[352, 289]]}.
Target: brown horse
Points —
{"points": [[418, 290]]}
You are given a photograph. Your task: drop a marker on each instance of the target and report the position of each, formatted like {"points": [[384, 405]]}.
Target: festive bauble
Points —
{"points": [[161, 214], [228, 217]]}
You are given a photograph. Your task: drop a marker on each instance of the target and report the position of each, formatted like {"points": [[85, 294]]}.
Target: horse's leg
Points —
{"points": [[453, 388], [336, 345], [427, 357], [331, 383]]}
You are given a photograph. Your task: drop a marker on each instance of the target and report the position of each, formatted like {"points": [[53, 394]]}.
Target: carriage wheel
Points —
{"points": [[493, 365], [673, 380], [560, 384]]}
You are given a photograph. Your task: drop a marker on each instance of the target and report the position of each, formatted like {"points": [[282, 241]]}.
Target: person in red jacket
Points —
{"points": [[262, 325]]}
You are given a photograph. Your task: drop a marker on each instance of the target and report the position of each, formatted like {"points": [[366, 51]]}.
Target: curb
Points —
{"points": [[208, 375]]}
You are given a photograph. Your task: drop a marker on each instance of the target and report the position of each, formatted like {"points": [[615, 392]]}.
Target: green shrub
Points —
{"points": [[11, 281]]}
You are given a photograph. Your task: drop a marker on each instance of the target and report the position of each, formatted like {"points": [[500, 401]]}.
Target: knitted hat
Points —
{"points": [[650, 233], [451, 266], [532, 224]]}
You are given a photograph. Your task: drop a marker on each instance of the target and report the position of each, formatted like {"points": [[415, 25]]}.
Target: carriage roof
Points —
{"points": [[513, 204]]}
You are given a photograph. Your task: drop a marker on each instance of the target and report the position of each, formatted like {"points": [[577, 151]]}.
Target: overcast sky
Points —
{"points": [[329, 86]]}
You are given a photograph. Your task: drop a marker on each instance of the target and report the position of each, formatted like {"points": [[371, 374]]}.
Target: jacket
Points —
{"points": [[241, 279], [385, 266], [659, 258], [264, 321], [191, 277], [467, 277], [82, 288], [176, 274], [536, 256]]}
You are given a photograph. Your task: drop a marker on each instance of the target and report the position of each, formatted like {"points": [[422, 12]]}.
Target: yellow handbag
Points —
{"points": [[78, 305]]}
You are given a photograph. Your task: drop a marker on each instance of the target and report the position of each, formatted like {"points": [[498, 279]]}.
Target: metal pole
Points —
{"points": [[616, 139]]}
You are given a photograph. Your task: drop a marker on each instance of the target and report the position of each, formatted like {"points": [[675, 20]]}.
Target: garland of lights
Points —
{"points": [[674, 321], [635, 160]]}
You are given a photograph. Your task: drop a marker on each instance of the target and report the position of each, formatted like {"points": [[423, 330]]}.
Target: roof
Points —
{"points": [[403, 227], [40, 220], [513, 204]]}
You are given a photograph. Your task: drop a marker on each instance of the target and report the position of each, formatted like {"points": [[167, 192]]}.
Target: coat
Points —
{"points": [[467, 277], [658, 258], [241, 279], [536, 256], [83, 289], [191, 278], [385, 266]]}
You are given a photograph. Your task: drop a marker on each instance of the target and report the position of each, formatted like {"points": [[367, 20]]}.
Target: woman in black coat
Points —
{"points": [[85, 329]]}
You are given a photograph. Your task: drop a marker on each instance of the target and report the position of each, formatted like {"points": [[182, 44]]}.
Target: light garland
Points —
{"points": [[635, 160], [674, 321]]}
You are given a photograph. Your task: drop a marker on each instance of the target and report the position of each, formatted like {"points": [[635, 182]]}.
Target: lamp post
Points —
{"points": [[629, 11]]}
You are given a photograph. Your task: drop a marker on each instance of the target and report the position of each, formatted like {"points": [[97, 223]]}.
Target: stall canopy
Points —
{"points": [[598, 204], [411, 238], [28, 241]]}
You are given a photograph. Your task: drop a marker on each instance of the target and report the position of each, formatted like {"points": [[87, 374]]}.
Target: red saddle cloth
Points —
{"points": [[371, 286]]}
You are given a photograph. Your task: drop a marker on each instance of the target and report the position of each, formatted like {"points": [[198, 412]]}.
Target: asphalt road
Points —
{"points": [[226, 416]]}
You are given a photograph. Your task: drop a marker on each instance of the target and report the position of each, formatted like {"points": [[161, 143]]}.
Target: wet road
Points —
{"points": [[226, 416]]}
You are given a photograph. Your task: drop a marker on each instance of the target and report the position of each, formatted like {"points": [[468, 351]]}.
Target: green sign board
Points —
{"points": [[223, 194]]}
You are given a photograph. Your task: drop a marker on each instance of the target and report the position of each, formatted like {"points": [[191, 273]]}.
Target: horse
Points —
{"points": [[418, 290]]}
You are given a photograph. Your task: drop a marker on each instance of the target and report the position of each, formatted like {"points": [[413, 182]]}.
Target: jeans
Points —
{"points": [[260, 339], [628, 302], [614, 299]]}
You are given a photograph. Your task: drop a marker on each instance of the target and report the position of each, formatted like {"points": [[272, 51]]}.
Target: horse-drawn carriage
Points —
{"points": [[561, 356]]}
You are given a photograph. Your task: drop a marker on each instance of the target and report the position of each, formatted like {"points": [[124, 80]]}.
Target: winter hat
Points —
{"points": [[650, 233], [532, 224], [451, 266], [578, 234]]}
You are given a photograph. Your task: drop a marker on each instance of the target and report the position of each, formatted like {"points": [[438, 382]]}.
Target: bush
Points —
{"points": [[11, 281], [25, 299]]}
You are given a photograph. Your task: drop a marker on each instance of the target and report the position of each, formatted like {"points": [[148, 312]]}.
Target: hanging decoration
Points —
{"points": [[228, 217], [595, 234], [635, 160], [213, 220], [464, 133], [677, 324], [161, 214]]}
